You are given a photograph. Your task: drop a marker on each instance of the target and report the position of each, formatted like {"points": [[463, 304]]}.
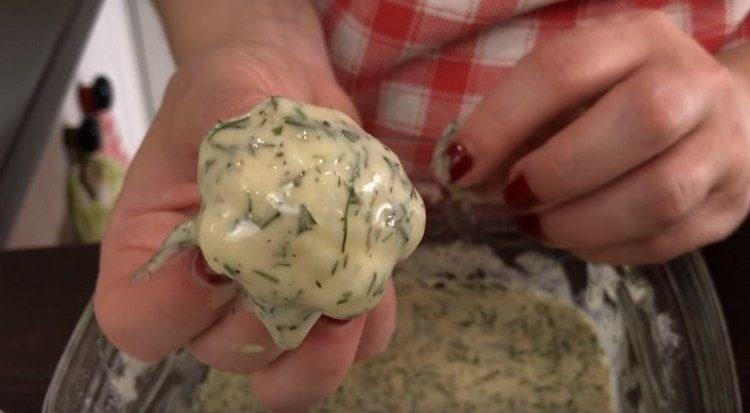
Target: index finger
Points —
{"points": [[557, 77]]}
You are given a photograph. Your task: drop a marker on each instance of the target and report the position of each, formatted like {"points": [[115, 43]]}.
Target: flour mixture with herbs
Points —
{"points": [[467, 341]]}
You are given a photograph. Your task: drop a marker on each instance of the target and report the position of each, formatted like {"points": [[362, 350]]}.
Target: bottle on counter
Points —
{"points": [[96, 100], [94, 181]]}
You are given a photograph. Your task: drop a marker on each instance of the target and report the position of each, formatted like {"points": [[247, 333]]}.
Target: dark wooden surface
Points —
{"points": [[42, 294]]}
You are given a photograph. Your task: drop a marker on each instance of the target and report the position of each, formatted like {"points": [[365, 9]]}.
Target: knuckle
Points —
{"points": [[720, 75], [661, 109], [672, 200], [557, 61], [723, 81], [649, 19]]}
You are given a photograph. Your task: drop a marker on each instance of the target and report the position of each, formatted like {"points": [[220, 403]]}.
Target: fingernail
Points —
{"points": [[529, 225], [206, 274], [444, 192], [460, 160], [336, 321], [518, 194]]}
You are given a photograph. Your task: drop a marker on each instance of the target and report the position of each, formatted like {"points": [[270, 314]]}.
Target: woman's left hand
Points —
{"points": [[657, 164]]}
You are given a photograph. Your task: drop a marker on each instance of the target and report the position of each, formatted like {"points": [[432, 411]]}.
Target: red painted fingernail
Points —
{"points": [[444, 192], [460, 160], [518, 194], [206, 274], [529, 225]]}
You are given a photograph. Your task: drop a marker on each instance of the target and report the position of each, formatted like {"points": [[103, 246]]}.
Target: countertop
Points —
{"points": [[44, 291]]}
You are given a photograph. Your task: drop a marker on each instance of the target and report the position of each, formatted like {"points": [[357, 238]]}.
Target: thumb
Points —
{"points": [[335, 97]]}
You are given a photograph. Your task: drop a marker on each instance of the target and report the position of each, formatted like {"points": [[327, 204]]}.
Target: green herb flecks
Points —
{"points": [[208, 164], [372, 282], [275, 102], [294, 297], [301, 114], [267, 276], [297, 181], [352, 198], [367, 238], [351, 136], [277, 130], [234, 165], [305, 220], [391, 167], [325, 126], [259, 305], [387, 237], [257, 144], [335, 267], [404, 234], [295, 122], [378, 233], [230, 149], [318, 284], [344, 298], [269, 220], [381, 287], [283, 249], [366, 161], [233, 272], [239, 123]]}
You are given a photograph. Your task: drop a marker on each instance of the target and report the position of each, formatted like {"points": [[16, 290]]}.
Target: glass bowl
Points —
{"points": [[676, 354]]}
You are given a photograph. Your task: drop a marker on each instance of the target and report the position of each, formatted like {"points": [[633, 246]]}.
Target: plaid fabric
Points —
{"points": [[413, 66]]}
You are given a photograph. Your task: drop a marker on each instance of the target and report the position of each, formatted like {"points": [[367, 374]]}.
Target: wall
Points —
{"points": [[114, 48], [154, 52]]}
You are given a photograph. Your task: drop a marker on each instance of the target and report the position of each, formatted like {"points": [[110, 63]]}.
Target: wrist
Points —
{"points": [[196, 27]]}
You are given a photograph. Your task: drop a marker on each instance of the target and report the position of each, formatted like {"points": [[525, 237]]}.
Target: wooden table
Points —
{"points": [[42, 294]]}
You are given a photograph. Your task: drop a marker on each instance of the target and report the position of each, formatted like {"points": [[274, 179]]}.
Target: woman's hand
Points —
{"points": [[623, 141], [185, 303]]}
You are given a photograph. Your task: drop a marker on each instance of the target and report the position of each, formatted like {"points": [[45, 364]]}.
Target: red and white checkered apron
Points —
{"points": [[413, 66]]}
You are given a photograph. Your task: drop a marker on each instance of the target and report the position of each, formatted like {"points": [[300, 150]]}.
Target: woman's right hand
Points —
{"points": [[185, 303]]}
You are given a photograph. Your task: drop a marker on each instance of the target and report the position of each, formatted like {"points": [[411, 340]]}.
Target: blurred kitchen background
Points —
{"points": [[126, 45]]}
